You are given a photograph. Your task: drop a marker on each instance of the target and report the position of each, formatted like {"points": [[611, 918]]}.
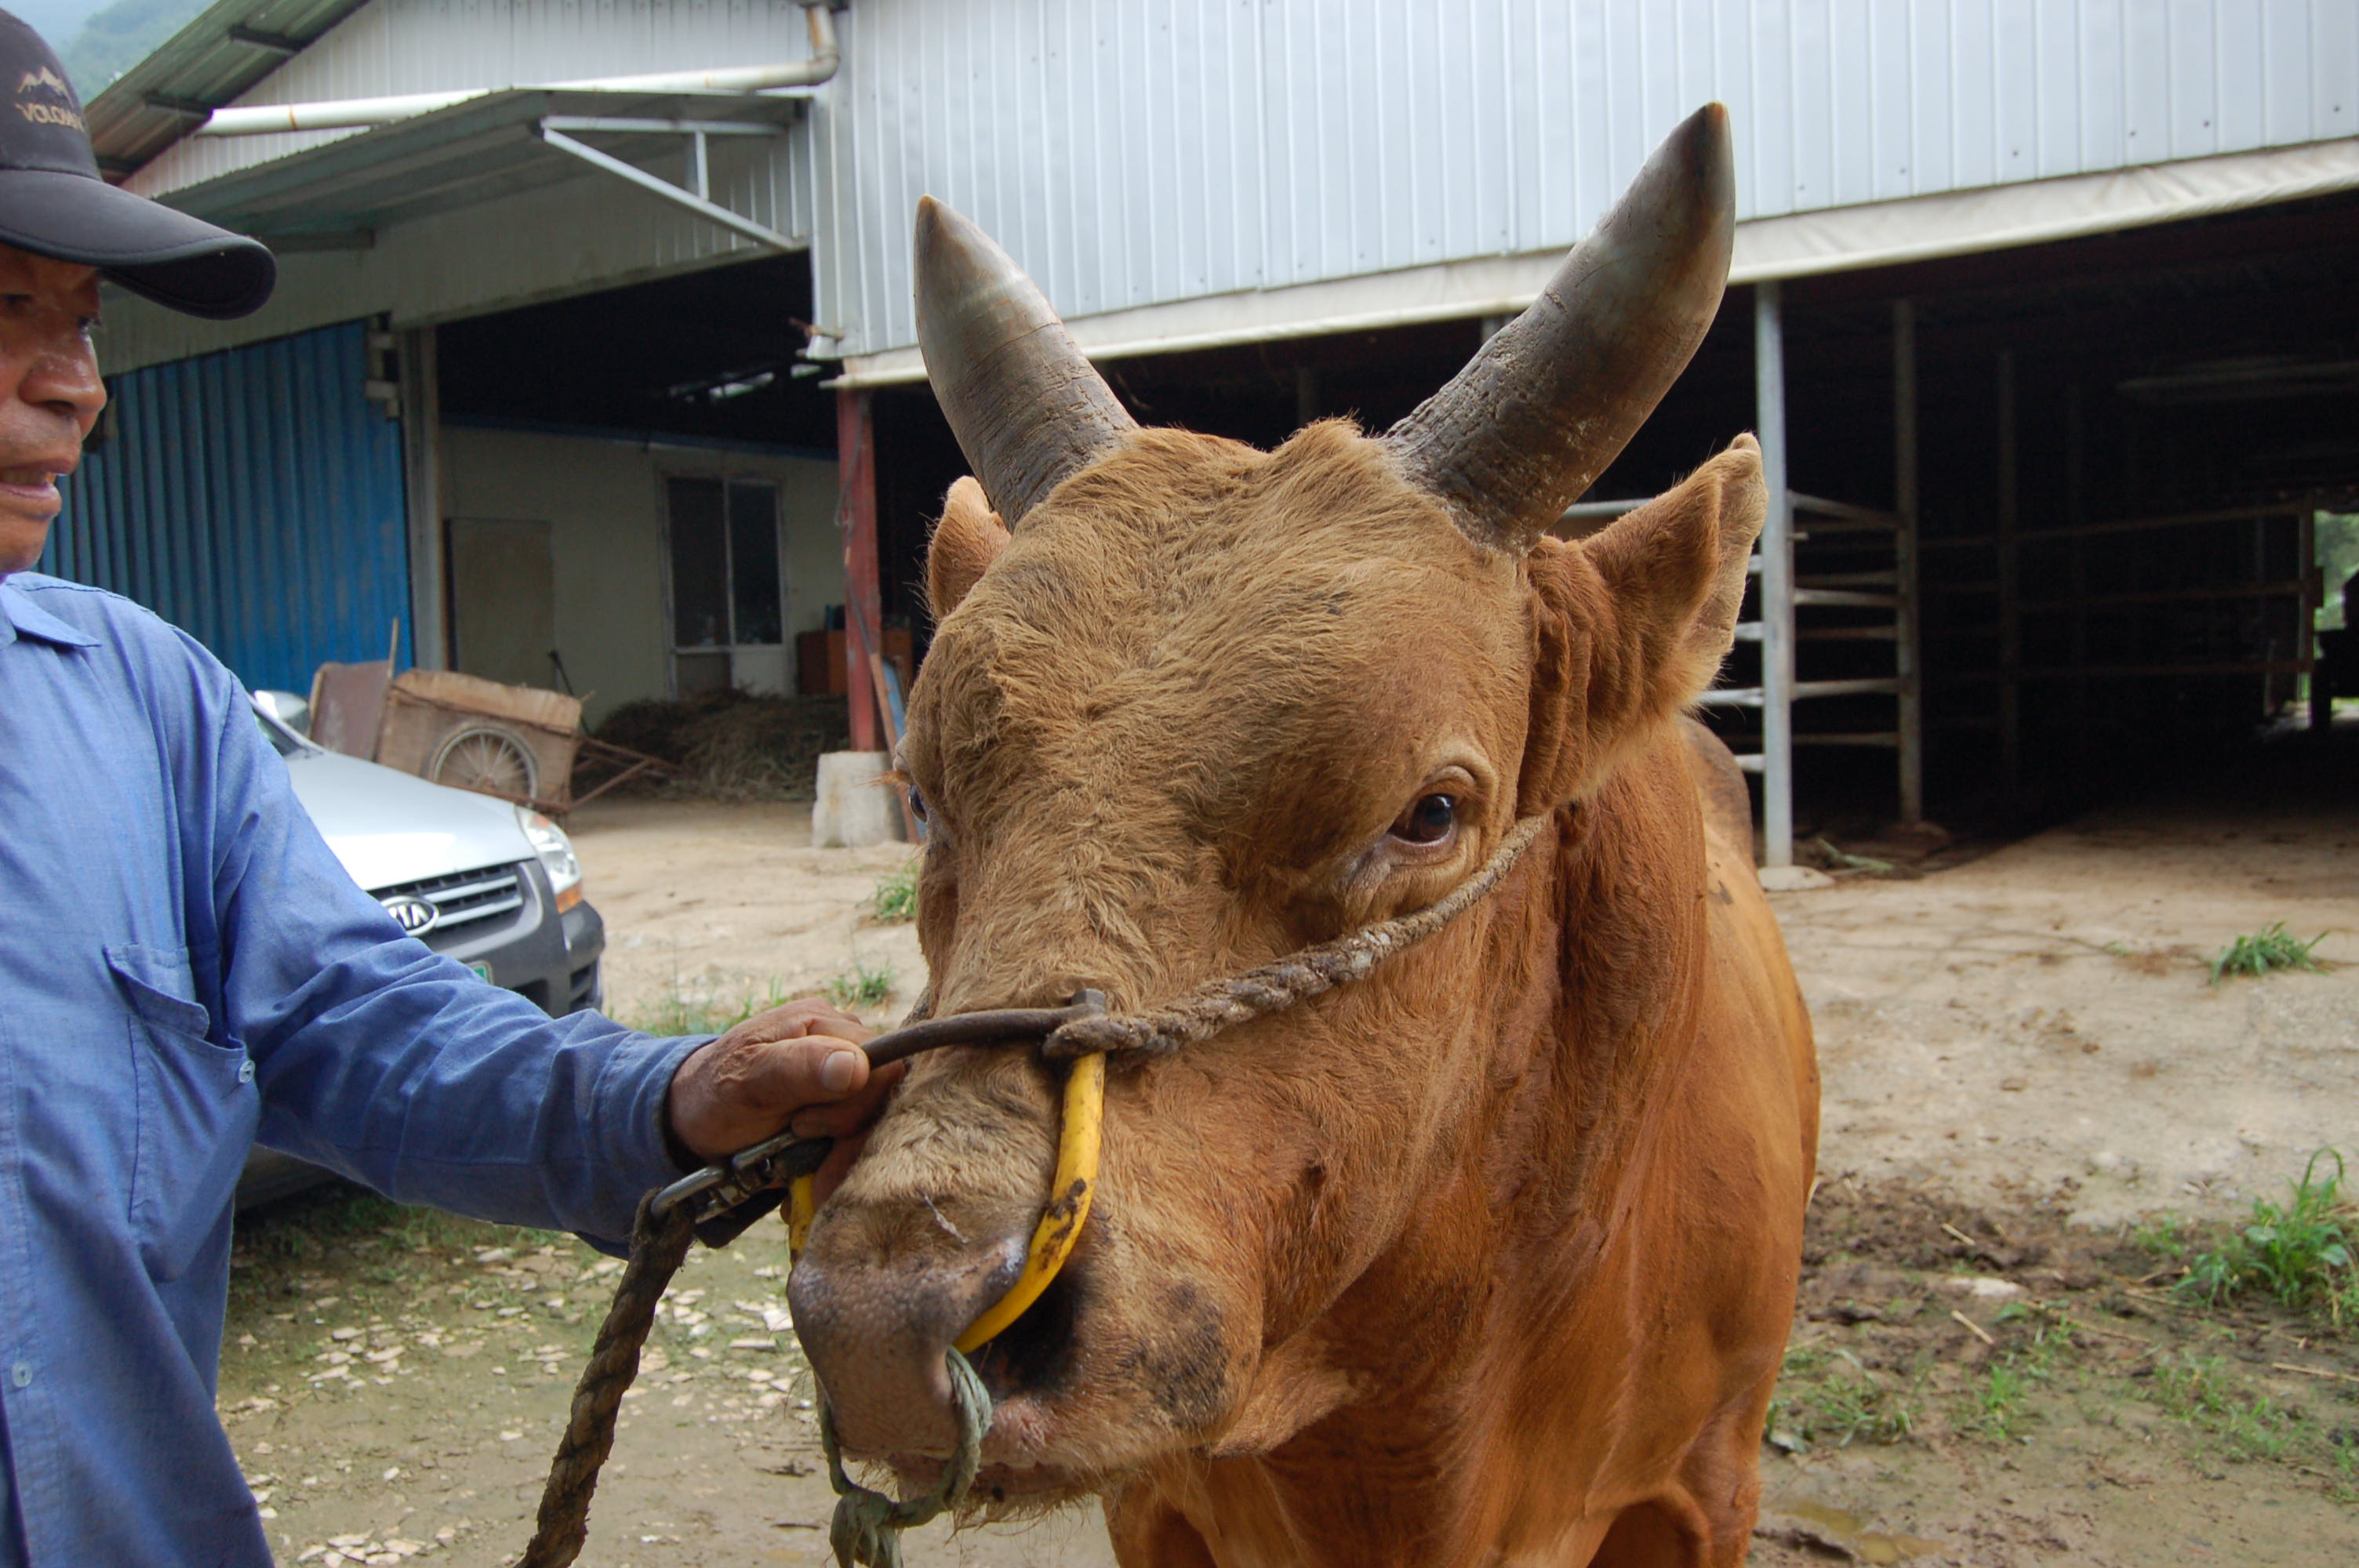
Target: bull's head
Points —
{"points": [[1196, 706]]}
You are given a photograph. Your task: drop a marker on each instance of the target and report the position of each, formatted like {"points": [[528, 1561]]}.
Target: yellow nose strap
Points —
{"points": [[1061, 1223]]}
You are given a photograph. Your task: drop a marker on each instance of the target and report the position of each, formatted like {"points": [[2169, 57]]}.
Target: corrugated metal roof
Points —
{"points": [[1135, 154], [222, 54], [471, 152], [389, 46], [1139, 152], [252, 498]]}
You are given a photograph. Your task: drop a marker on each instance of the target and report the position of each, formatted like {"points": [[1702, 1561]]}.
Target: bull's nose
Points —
{"points": [[878, 1329]]}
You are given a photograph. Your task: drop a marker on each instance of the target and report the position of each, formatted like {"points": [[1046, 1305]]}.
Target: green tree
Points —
{"points": [[114, 41]]}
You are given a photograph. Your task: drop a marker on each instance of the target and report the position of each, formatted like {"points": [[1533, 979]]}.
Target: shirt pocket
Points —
{"points": [[197, 1110]]}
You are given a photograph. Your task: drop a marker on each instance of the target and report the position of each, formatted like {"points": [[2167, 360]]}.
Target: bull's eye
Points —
{"points": [[916, 803], [1428, 821]]}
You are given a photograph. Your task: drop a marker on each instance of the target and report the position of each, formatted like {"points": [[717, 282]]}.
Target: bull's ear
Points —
{"points": [[965, 542], [1632, 623]]}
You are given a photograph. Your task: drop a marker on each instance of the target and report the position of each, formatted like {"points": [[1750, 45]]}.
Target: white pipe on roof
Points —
{"points": [[346, 114]]}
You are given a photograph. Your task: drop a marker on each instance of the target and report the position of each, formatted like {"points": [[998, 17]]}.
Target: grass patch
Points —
{"points": [[676, 1014], [2162, 1236], [2203, 1393], [2296, 1252], [1997, 1405], [894, 902], [862, 985], [2256, 953], [1830, 1397]]}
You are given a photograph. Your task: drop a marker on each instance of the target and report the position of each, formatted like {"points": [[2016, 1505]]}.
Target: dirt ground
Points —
{"points": [[2024, 1064]]}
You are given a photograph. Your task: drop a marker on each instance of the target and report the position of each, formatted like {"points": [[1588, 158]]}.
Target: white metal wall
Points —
{"points": [[1137, 152], [1133, 153]]}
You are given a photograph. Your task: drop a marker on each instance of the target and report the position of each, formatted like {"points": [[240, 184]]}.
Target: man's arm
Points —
{"points": [[382, 1061]]}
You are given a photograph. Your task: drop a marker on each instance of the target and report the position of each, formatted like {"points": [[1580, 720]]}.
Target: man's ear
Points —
{"points": [[1631, 623], [964, 544]]}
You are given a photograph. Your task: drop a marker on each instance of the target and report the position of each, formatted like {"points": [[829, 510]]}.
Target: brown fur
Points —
{"points": [[964, 543], [1486, 1258]]}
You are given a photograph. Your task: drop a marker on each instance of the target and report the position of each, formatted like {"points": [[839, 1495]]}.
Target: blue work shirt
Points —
{"points": [[185, 968]]}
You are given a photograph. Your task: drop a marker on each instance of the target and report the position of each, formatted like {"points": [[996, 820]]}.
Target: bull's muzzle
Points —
{"points": [[878, 1323]]}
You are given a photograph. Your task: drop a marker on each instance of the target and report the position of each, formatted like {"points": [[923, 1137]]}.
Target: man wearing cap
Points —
{"points": [[185, 968]]}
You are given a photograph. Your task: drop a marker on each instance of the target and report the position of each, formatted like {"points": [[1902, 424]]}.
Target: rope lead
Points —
{"points": [[868, 1526]]}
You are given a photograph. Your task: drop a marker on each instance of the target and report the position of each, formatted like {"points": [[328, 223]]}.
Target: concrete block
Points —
{"points": [[852, 808]]}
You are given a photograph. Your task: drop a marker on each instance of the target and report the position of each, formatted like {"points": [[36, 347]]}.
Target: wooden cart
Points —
{"points": [[517, 742]]}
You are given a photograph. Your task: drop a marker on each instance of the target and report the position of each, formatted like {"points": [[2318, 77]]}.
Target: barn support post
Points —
{"points": [[864, 607], [2270, 653], [2010, 628], [1777, 581], [2314, 589], [1907, 647], [2076, 513], [421, 476]]}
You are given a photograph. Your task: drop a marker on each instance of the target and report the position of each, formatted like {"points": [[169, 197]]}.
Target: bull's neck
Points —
{"points": [[1610, 1012]]}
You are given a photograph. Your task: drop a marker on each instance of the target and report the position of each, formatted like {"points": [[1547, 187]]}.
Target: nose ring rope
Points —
{"points": [[719, 1201], [867, 1525]]}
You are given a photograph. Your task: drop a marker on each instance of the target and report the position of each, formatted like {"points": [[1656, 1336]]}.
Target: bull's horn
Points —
{"points": [[1537, 413], [1028, 409]]}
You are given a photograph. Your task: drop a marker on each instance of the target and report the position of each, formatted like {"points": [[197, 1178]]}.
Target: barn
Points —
{"points": [[592, 361]]}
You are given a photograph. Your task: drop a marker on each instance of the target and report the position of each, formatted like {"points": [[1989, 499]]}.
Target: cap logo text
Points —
{"points": [[45, 80], [52, 114]]}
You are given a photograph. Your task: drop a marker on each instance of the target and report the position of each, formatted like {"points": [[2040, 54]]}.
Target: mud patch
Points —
{"points": [[1978, 1387]]}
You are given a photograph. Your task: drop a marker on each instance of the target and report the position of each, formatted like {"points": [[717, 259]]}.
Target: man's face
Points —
{"points": [[49, 392]]}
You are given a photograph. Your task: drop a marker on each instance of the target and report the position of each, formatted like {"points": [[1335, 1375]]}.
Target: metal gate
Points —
{"points": [[252, 498]]}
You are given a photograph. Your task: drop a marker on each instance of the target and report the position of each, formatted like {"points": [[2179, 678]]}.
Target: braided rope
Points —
{"points": [[867, 1525], [658, 1245], [1224, 1003]]}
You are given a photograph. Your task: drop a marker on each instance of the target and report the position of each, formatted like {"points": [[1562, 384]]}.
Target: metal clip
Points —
{"points": [[779, 1159]]}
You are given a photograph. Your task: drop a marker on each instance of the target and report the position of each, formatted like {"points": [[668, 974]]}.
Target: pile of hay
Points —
{"points": [[730, 745]]}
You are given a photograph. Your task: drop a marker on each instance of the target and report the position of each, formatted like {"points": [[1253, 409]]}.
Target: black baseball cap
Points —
{"points": [[53, 204]]}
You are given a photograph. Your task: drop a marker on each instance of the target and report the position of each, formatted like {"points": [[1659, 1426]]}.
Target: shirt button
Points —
{"points": [[245, 1072], [21, 1373]]}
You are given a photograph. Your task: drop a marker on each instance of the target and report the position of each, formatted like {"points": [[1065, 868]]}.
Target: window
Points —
{"points": [[726, 594], [724, 564]]}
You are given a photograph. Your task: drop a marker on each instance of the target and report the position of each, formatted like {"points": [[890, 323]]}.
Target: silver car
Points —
{"points": [[496, 886]]}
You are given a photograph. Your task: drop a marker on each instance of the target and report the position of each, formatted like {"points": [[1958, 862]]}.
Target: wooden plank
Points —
{"points": [[888, 685]]}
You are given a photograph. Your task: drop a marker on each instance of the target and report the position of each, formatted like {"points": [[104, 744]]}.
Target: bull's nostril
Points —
{"points": [[1034, 1355]]}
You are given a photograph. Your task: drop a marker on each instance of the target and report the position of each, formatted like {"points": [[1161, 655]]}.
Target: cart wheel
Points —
{"points": [[482, 757]]}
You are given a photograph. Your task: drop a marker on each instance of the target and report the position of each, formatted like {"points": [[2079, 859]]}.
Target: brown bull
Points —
{"points": [[1488, 1257]]}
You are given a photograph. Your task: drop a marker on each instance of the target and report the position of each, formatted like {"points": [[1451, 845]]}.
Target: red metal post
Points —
{"points": [[864, 609]]}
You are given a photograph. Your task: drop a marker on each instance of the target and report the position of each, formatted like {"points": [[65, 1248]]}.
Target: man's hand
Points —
{"points": [[799, 1065]]}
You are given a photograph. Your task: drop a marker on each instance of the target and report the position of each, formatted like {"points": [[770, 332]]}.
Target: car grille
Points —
{"points": [[464, 897]]}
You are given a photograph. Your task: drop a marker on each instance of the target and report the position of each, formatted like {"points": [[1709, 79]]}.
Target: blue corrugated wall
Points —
{"points": [[254, 498]]}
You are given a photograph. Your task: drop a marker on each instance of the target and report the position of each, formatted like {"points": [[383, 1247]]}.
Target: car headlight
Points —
{"points": [[557, 857]]}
